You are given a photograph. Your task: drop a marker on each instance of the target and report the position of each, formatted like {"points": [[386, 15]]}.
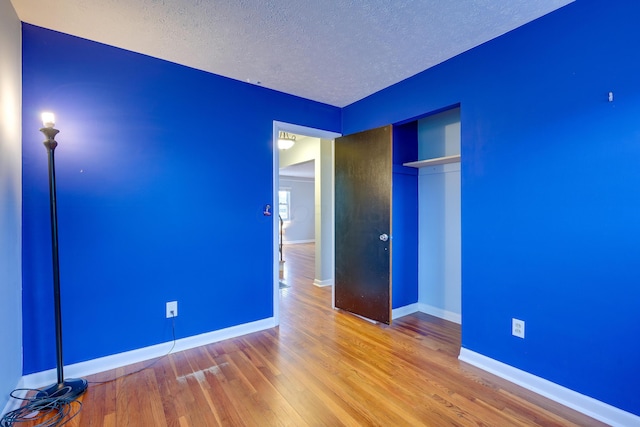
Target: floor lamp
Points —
{"points": [[71, 387]]}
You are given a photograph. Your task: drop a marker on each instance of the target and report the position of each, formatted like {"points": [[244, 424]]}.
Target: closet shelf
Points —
{"points": [[433, 162]]}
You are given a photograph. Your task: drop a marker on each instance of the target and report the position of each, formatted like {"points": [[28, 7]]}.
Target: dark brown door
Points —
{"points": [[363, 171]]}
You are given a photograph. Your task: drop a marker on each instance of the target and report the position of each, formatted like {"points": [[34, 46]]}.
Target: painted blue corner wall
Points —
{"points": [[404, 217], [147, 212], [550, 205]]}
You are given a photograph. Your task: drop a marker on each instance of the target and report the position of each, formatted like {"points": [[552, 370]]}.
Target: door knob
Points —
{"points": [[384, 237]]}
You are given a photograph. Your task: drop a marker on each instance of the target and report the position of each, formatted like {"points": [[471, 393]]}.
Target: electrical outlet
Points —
{"points": [[172, 309], [517, 328]]}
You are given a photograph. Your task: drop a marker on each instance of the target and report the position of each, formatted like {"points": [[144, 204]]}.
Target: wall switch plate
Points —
{"points": [[517, 328], [172, 309]]}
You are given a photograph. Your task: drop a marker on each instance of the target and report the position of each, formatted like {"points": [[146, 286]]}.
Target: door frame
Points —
{"points": [[302, 130]]}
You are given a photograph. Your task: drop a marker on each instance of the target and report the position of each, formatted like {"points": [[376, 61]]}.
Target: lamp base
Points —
{"points": [[69, 389]]}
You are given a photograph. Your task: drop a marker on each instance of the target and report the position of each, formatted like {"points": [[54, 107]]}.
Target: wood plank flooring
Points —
{"points": [[320, 367]]}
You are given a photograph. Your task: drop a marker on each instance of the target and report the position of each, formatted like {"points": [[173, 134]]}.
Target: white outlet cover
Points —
{"points": [[172, 306], [517, 327]]}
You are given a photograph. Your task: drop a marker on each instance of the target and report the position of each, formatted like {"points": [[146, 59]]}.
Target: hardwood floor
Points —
{"points": [[320, 367]]}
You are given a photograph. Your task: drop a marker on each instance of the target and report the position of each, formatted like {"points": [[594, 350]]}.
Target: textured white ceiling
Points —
{"points": [[332, 51]]}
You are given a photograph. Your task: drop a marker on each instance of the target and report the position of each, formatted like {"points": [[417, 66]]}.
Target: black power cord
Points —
{"points": [[173, 345], [49, 411], [56, 411]]}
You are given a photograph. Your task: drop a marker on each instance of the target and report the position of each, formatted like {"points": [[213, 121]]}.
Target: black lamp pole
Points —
{"points": [[71, 387]]}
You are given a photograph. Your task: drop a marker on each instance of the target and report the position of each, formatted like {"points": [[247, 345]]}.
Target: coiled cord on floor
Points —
{"points": [[56, 411], [48, 411]]}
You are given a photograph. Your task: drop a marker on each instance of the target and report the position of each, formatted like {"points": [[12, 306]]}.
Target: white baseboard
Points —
{"points": [[443, 314], [297, 242], [587, 405], [322, 283], [396, 313], [82, 369], [13, 404]]}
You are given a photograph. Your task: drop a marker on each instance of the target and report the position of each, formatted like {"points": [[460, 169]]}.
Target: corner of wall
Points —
{"points": [[10, 200]]}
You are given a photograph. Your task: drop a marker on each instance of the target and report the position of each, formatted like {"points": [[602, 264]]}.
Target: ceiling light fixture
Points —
{"points": [[286, 140]]}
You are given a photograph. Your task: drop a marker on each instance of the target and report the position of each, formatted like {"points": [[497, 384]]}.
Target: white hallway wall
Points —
{"points": [[301, 226], [306, 149], [10, 200]]}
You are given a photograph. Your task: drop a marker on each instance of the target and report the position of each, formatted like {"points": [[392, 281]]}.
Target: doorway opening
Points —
{"points": [[436, 139], [431, 145], [307, 177], [439, 207]]}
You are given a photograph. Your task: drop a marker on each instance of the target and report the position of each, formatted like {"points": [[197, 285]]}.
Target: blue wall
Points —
{"points": [[404, 217], [550, 203], [147, 212]]}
